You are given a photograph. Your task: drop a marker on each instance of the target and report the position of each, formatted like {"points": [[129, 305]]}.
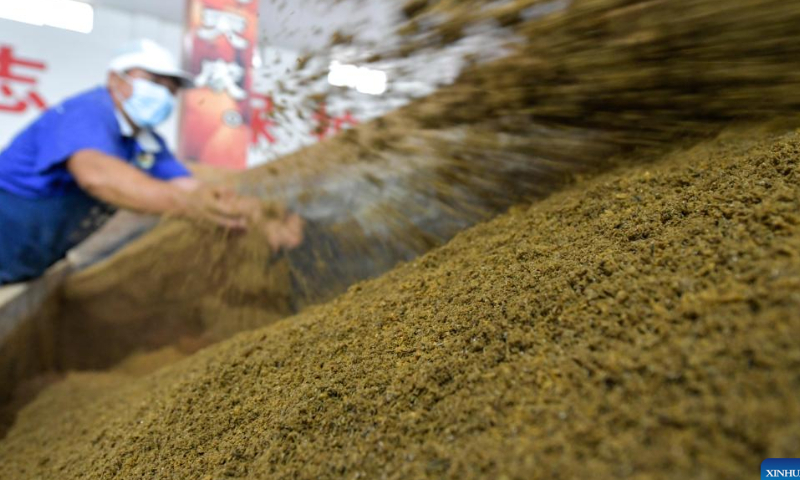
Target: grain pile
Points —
{"points": [[641, 325]]}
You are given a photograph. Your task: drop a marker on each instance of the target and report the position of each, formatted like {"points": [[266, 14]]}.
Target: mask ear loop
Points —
{"points": [[122, 100], [115, 93]]}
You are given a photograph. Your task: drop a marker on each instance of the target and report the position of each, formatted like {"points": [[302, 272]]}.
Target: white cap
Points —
{"points": [[149, 56]]}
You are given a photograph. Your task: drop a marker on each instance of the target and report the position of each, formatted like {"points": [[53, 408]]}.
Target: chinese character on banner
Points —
{"points": [[18, 90], [218, 22], [327, 125], [263, 108], [221, 76], [217, 119]]}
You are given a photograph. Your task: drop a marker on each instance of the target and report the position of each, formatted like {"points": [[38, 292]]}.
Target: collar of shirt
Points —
{"points": [[145, 138]]}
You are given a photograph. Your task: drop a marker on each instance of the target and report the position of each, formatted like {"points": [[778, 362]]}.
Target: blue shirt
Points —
{"points": [[34, 165], [43, 211]]}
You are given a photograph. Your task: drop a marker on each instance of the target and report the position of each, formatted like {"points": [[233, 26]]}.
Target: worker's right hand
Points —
{"points": [[218, 205]]}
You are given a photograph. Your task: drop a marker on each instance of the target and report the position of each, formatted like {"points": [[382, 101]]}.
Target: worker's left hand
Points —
{"points": [[285, 232], [281, 228]]}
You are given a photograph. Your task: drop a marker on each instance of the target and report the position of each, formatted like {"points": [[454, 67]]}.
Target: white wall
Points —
{"points": [[77, 61]]}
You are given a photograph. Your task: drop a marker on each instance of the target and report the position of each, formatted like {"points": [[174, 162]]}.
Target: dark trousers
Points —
{"points": [[36, 233]]}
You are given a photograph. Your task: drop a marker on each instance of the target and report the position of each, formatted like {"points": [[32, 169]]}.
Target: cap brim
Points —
{"points": [[186, 80]]}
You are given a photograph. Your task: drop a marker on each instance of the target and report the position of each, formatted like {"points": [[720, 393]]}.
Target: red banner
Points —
{"points": [[215, 122], [18, 82]]}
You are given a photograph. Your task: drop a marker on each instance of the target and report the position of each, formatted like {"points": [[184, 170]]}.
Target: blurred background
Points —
{"points": [[55, 48]]}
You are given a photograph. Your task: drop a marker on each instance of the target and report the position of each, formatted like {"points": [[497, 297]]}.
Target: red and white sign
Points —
{"points": [[215, 125]]}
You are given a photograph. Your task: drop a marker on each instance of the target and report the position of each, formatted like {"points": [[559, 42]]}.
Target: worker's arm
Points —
{"points": [[122, 185]]}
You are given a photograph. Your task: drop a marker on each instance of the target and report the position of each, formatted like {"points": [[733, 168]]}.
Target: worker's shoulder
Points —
{"points": [[94, 101]]}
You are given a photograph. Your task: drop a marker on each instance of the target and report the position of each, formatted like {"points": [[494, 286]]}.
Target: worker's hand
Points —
{"points": [[224, 207], [218, 205], [281, 228], [286, 232]]}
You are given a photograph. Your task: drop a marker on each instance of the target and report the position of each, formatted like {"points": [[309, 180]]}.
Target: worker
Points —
{"points": [[97, 151]]}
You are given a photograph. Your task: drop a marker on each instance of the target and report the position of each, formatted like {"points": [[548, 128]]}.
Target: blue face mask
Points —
{"points": [[150, 104]]}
